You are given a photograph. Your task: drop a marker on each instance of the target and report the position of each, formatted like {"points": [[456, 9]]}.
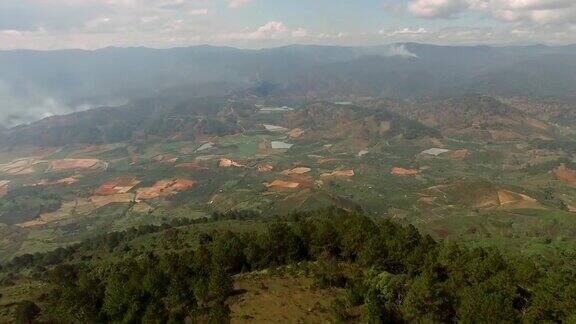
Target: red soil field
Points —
{"points": [[228, 163], [164, 188], [283, 184], [4, 187], [565, 174], [397, 171], [117, 186], [265, 167], [67, 164]]}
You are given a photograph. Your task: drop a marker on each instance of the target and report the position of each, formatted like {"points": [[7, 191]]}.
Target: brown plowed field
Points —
{"points": [[339, 173], [282, 184], [118, 185], [68, 164], [565, 174], [164, 188], [397, 171]]}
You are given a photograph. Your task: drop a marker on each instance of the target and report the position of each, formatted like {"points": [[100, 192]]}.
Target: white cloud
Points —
{"points": [[11, 32], [437, 8], [328, 36], [273, 30], [534, 12], [50, 24], [198, 12], [404, 31], [238, 3], [537, 12], [469, 35]]}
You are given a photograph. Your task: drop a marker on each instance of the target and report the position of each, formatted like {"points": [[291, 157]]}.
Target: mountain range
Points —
{"points": [[35, 84]]}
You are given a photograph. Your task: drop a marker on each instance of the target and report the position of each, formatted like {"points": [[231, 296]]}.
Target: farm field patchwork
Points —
{"points": [[294, 163]]}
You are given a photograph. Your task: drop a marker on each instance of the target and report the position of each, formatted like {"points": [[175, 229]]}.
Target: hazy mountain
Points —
{"points": [[35, 84]]}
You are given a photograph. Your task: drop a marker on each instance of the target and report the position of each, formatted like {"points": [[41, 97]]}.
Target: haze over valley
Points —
{"points": [[36, 84]]}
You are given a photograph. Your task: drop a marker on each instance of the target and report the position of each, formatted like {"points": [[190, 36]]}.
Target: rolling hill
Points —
{"points": [[479, 117]]}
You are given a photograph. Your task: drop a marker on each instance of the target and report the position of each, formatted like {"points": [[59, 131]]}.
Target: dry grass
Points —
{"points": [[275, 299], [282, 184], [192, 166], [4, 187], [64, 181], [565, 174], [297, 170], [165, 158], [296, 133], [508, 197], [20, 166], [69, 164], [326, 160], [458, 154]]}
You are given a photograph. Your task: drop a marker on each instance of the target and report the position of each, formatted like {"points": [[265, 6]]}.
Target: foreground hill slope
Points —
{"points": [[390, 273]]}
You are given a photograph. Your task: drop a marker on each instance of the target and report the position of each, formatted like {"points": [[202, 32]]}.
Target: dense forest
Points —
{"points": [[27, 203], [391, 273]]}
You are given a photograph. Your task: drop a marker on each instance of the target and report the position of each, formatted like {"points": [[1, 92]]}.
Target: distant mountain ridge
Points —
{"points": [[39, 83]]}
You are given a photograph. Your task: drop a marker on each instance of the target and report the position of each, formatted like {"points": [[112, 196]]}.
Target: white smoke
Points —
{"points": [[400, 50], [17, 109]]}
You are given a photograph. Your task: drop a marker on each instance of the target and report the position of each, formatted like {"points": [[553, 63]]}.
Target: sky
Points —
{"points": [[91, 24]]}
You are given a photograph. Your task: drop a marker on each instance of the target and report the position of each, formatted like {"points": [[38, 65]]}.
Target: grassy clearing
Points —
{"points": [[265, 298], [26, 289], [162, 242], [528, 231]]}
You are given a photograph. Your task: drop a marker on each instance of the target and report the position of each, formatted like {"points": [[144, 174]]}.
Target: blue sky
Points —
{"points": [[49, 24]]}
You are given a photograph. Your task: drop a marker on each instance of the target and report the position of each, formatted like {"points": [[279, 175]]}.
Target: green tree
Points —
{"points": [[25, 312]]}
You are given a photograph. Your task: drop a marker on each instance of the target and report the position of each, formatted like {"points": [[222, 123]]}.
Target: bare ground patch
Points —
{"points": [[398, 171], [339, 173], [164, 188], [265, 167], [563, 173], [64, 181], [296, 133], [70, 164], [229, 163], [283, 184], [296, 171], [118, 185], [165, 158], [20, 166], [276, 299], [458, 154], [4, 187]]}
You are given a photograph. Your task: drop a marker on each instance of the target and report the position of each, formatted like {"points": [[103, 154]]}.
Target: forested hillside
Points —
{"points": [[390, 273]]}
